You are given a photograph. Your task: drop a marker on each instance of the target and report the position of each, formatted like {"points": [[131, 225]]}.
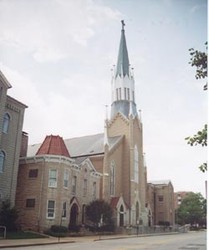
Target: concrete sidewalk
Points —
{"points": [[15, 243]]}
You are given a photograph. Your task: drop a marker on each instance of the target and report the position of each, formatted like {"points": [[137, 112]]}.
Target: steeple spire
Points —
{"points": [[123, 90], [122, 68]]}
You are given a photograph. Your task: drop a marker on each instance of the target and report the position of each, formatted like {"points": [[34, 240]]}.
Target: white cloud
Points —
{"points": [[52, 29]]}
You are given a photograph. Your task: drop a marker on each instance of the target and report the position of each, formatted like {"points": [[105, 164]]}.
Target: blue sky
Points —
{"points": [[58, 55]]}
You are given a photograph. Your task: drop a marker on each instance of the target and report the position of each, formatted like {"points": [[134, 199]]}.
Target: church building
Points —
{"points": [[66, 174]]}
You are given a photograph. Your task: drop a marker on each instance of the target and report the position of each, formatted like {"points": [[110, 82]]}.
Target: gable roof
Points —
{"points": [[4, 80], [114, 202], [53, 145]]}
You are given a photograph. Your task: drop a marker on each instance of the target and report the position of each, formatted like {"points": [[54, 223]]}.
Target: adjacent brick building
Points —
{"points": [[53, 188], [11, 123], [178, 198], [160, 196]]}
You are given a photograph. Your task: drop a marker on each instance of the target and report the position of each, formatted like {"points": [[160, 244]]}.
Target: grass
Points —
{"points": [[23, 235]]}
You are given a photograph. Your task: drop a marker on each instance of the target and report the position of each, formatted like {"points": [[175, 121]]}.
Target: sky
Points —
{"points": [[58, 56]]}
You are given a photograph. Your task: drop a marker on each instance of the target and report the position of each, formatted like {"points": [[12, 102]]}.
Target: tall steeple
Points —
{"points": [[123, 89], [123, 60]]}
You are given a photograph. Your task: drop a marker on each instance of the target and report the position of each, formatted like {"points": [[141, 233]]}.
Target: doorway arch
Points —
{"points": [[73, 215]]}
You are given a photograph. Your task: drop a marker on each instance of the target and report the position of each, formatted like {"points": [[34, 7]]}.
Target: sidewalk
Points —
{"points": [[10, 243]]}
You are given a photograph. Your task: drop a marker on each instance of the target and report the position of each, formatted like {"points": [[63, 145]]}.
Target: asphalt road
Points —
{"points": [[189, 241]]}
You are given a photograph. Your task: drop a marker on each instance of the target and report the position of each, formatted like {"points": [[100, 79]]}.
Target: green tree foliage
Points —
{"points": [[8, 216], [199, 60], [192, 210], [99, 211]]}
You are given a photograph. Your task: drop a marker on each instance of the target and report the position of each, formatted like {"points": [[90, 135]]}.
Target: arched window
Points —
{"points": [[6, 121], [136, 165], [83, 213], [121, 223], [137, 212], [112, 178], [2, 161]]}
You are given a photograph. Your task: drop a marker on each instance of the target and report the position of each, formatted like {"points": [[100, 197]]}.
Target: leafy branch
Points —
{"points": [[199, 60]]}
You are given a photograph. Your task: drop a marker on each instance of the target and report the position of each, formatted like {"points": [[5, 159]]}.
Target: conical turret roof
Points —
{"points": [[53, 145]]}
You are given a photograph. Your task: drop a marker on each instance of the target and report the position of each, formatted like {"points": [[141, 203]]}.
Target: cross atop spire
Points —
{"points": [[123, 24]]}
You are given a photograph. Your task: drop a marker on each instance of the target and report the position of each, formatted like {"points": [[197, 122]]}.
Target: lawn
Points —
{"points": [[22, 235]]}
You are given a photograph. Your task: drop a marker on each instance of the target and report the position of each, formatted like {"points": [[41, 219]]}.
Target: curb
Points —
{"points": [[36, 244], [100, 238]]}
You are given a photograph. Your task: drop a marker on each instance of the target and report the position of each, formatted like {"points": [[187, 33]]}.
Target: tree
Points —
{"points": [[8, 216], [192, 210], [199, 60], [99, 212]]}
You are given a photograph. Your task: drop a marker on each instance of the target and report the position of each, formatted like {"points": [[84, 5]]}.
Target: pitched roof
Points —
{"points": [[4, 80], [82, 146], [114, 201], [86, 145], [89, 145], [53, 145], [160, 182]]}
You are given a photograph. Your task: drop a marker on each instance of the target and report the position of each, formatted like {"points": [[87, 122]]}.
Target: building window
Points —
{"points": [[160, 198], [33, 173], [125, 95], [51, 209], [84, 187], [2, 161], [94, 190], [119, 93], [6, 121], [52, 178], [74, 185], [136, 165], [66, 178], [30, 203], [133, 96], [112, 178], [64, 209], [83, 213], [85, 173], [128, 93]]}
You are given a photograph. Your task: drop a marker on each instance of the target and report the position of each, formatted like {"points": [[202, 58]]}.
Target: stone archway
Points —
{"points": [[73, 215], [121, 219]]}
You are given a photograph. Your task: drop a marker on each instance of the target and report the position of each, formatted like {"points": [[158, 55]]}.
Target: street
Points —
{"points": [[191, 240]]}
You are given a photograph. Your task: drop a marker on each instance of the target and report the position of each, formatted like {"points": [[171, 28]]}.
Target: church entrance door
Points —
{"points": [[73, 215]]}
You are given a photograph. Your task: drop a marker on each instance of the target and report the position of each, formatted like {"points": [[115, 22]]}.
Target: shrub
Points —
{"points": [[74, 228], [8, 216], [59, 229]]}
